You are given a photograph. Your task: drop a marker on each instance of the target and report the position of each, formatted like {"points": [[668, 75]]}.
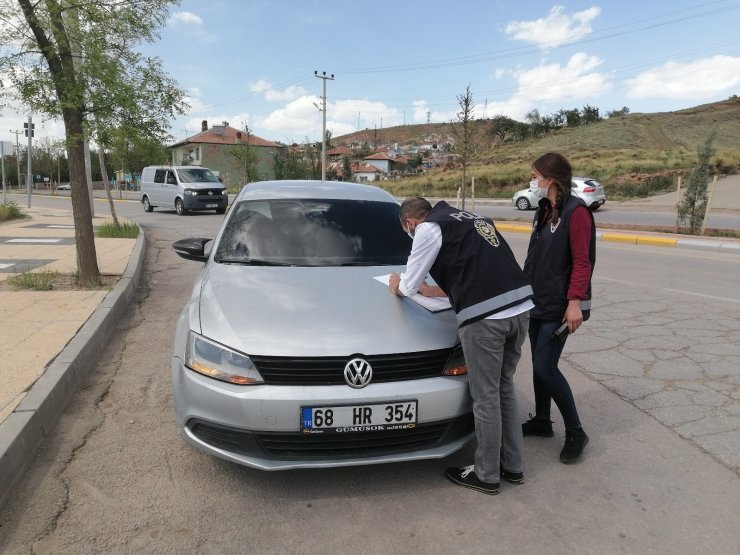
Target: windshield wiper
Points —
{"points": [[252, 262]]}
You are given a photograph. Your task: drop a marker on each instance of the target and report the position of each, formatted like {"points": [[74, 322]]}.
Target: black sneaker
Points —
{"points": [[465, 477], [575, 441], [511, 477], [535, 426]]}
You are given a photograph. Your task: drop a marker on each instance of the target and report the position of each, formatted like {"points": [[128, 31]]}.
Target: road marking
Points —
{"points": [[33, 240], [3, 266], [59, 226], [680, 291]]}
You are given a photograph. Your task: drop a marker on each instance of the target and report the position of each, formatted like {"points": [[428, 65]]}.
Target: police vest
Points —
{"points": [[475, 266], [549, 263]]}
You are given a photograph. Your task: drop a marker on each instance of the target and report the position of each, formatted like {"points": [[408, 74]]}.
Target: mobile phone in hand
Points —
{"points": [[562, 332]]}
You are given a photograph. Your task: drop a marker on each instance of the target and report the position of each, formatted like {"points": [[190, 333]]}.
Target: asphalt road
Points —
{"points": [[654, 372]]}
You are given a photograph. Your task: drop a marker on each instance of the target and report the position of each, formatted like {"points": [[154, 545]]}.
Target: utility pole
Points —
{"points": [[2, 161], [323, 77], [17, 158], [29, 175]]}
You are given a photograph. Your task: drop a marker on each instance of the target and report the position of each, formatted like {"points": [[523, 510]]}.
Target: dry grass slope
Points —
{"points": [[632, 155]]}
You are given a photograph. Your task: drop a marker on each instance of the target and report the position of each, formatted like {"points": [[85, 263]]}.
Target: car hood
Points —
{"points": [[296, 311]]}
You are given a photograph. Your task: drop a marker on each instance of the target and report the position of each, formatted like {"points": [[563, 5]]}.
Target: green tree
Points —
{"points": [[346, 168], [464, 135], [589, 114], [76, 59], [617, 113], [245, 157], [693, 205], [502, 127]]}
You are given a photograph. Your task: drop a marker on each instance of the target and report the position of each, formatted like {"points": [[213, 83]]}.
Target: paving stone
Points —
{"points": [[638, 355], [613, 364], [679, 369], [671, 343], [710, 398], [673, 415], [664, 399], [667, 355], [711, 424], [725, 446], [634, 388]]}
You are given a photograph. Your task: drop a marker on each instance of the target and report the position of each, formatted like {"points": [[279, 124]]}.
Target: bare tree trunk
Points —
{"points": [[106, 184], [87, 259]]}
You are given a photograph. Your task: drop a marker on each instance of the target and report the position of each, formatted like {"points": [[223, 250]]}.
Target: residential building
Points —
{"points": [[211, 148]]}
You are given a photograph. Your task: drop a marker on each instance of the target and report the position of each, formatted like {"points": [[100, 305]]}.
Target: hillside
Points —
{"points": [[623, 152]]}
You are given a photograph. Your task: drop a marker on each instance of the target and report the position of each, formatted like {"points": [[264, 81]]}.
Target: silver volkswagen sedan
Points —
{"points": [[291, 354]]}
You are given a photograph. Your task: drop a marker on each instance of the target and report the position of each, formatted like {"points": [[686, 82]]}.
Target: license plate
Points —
{"points": [[359, 418], [211, 205]]}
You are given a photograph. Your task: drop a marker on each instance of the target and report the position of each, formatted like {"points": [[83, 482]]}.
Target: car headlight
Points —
{"points": [[191, 192], [456, 363], [216, 361]]}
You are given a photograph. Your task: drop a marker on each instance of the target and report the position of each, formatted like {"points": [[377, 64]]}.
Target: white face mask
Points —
{"points": [[540, 192]]}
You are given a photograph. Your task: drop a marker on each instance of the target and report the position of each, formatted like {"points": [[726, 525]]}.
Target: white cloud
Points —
{"points": [[556, 29], [300, 118], [556, 82], [265, 89], [187, 18], [422, 113], [697, 80]]}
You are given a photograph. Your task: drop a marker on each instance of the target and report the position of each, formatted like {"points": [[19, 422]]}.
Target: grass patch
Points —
{"points": [[127, 230], [11, 211], [35, 281]]}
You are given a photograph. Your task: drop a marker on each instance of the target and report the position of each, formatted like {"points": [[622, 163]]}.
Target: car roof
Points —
{"points": [[313, 189]]}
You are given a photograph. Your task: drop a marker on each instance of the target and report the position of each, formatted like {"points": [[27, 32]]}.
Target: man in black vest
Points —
{"points": [[475, 268]]}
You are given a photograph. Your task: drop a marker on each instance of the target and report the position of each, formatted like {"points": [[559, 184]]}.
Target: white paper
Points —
{"points": [[433, 304]]}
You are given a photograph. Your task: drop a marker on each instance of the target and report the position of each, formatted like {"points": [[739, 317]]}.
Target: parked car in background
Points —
{"points": [[289, 352], [183, 188], [64, 187], [585, 188]]}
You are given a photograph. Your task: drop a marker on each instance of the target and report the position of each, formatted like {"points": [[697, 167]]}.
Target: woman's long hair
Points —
{"points": [[556, 167]]}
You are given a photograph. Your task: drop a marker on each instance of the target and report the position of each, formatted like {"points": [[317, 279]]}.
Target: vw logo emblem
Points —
{"points": [[210, 193], [358, 373]]}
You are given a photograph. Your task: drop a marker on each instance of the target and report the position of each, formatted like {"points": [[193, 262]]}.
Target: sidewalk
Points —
{"points": [[49, 338]]}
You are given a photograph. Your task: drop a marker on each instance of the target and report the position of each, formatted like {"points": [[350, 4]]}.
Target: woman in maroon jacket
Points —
{"points": [[559, 265]]}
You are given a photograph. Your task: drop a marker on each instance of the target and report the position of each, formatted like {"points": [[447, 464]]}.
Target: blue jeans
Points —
{"points": [[492, 350], [549, 382]]}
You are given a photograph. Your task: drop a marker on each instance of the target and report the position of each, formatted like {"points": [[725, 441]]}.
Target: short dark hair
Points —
{"points": [[414, 207]]}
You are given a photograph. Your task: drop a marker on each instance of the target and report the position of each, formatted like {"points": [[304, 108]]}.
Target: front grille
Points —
{"points": [[330, 370], [205, 193], [298, 445]]}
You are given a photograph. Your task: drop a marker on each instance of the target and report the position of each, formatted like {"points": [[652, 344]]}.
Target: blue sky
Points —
{"points": [[252, 62]]}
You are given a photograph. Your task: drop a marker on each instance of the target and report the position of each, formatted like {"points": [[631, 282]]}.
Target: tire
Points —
{"points": [[180, 207], [595, 207], [147, 207], [522, 203]]}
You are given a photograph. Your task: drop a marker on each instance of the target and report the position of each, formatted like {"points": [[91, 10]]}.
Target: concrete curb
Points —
{"points": [[33, 419], [717, 245]]}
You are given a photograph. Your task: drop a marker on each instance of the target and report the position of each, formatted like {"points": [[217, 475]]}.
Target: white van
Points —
{"points": [[183, 188]]}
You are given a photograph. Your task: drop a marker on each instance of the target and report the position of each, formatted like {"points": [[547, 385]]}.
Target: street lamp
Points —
{"points": [[323, 77]]}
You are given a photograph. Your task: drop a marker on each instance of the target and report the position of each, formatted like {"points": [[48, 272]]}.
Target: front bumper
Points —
{"points": [[203, 202], [259, 426]]}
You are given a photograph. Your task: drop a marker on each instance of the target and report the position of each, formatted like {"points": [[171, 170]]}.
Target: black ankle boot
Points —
{"points": [[535, 426], [575, 441]]}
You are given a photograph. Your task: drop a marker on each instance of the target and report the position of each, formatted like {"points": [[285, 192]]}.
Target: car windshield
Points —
{"points": [[197, 175], [311, 232]]}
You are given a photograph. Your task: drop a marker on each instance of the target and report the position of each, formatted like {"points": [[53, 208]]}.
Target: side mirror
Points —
{"points": [[192, 248]]}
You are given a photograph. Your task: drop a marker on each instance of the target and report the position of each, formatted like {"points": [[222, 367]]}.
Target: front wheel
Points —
{"points": [[180, 207], [522, 203], [147, 206]]}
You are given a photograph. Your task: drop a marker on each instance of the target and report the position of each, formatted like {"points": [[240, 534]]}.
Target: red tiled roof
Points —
{"points": [[339, 150], [221, 135], [379, 156], [363, 168]]}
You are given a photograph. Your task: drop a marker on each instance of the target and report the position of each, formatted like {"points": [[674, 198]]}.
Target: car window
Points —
{"points": [[314, 232], [171, 179], [197, 175], [159, 176]]}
